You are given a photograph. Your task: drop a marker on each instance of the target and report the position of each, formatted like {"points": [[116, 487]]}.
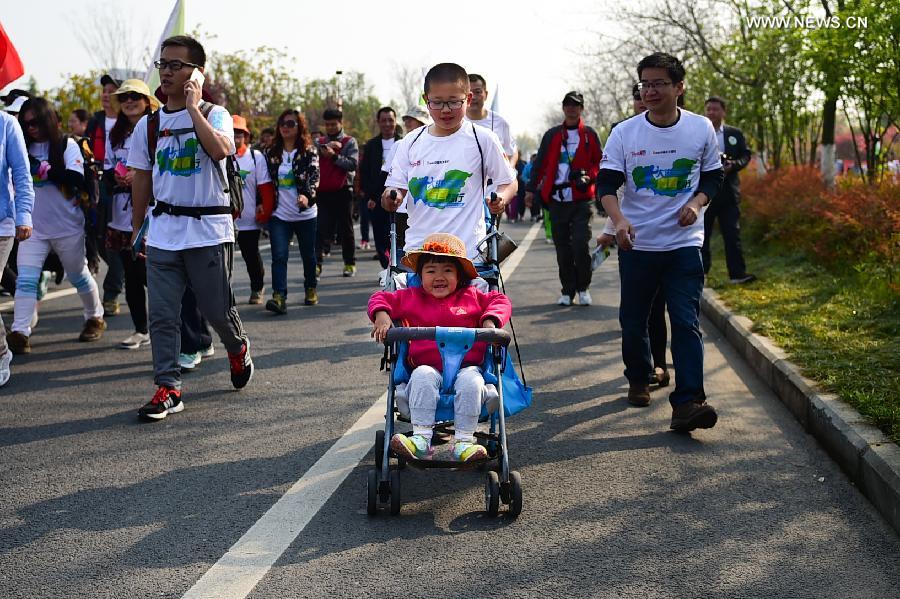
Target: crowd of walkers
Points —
{"points": [[160, 185]]}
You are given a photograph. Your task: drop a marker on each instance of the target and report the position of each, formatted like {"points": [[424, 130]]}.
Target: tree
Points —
{"points": [[112, 38], [78, 91], [408, 80]]}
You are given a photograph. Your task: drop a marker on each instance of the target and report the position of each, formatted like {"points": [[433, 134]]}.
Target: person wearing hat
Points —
{"points": [[131, 101], [564, 171], [259, 201], [445, 298], [98, 129], [415, 116], [14, 100]]}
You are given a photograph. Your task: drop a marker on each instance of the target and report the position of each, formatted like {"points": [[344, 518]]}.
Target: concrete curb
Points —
{"points": [[868, 457]]}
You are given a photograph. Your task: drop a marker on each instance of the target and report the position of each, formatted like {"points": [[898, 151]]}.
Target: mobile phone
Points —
{"points": [[199, 77], [121, 169]]}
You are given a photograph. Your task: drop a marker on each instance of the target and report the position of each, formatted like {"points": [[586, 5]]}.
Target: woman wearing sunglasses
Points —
{"points": [[57, 171], [294, 166], [132, 101]]}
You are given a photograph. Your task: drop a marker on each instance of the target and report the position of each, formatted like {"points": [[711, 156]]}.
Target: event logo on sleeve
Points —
{"points": [[440, 193], [181, 162], [664, 181]]}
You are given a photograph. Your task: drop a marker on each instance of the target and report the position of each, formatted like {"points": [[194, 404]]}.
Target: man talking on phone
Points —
{"points": [[179, 154]]}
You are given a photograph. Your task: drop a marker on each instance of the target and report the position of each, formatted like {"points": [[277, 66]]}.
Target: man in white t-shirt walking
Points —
{"points": [[478, 114], [668, 159], [191, 234]]}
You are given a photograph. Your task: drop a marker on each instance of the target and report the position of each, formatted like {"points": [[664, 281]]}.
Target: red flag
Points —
{"points": [[10, 64]]}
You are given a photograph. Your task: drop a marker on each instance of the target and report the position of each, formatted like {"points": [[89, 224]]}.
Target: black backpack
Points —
{"points": [[230, 179]]}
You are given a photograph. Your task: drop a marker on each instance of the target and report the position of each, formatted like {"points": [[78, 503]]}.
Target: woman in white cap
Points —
{"points": [[132, 100]]}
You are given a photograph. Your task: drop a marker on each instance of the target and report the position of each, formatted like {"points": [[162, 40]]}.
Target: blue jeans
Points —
{"points": [[678, 275], [280, 233]]}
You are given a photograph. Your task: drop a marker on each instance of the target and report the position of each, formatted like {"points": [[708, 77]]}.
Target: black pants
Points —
{"points": [[195, 334], [656, 327], [571, 235], [248, 241], [365, 216], [336, 215], [727, 210], [381, 232], [135, 272]]}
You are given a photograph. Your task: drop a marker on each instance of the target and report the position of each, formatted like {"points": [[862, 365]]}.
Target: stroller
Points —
{"points": [[501, 483]]}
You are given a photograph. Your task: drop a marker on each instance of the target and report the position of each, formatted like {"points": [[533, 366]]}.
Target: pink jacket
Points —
{"points": [[468, 308]]}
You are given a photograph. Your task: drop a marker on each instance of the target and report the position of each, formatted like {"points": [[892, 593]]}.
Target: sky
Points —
{"points": [[529, 48]]}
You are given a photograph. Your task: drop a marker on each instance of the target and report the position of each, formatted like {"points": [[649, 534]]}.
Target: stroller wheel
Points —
{"points": [[492, 494], [515, 499], [372, 493], [379, 449], [395, 492]]}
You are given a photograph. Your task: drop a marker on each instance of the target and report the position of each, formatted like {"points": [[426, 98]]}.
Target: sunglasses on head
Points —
{"points": [[288, 124], [133, 96]]}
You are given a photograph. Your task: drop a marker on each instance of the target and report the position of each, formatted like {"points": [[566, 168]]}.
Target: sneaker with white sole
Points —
{"points": [[135, 341], [189, 361], [5, 373], [584, 298], [241, 367], [564, 300], [413, 447], [466, 451], [166, 401], [208, 352]]}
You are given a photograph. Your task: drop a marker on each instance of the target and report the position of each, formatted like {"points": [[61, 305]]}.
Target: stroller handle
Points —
{"points": [[487, 335]]}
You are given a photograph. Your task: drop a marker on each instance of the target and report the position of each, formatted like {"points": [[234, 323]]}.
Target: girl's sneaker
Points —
{"points": [[464, 451], [414, 447]]}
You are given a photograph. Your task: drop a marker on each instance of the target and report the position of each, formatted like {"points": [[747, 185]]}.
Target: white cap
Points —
{"points": [[17, 104]]}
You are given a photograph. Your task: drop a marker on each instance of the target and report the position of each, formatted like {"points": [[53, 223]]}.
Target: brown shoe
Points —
{"points": [[18, 343], [93, 329], [639, 394], [662, 377], [693, 414]]}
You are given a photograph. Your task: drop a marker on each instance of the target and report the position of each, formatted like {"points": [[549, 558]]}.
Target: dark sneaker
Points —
{"points": [[277, 304], [166, 401], [241, 367], [255, 298], [93, 329], [312, 296], [693, 414], [639, 394], [18, 343], [747, 278], [349, 270]]}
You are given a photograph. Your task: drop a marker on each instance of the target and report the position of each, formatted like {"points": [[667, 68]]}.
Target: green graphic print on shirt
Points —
{"points": [[668, 182], [243, 174], [180, 162], [287, 180], [439, 193]]}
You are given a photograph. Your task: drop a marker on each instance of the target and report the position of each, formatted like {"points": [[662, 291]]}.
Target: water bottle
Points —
{"points": [[599, 256]]}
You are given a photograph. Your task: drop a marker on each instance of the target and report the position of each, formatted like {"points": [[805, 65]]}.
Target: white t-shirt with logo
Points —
{"points": [[662, 167], [566, 156], [445, 188], [500, 127], [253, 174], [185, 175], [121, 205], [286, 187], [55, 216]]}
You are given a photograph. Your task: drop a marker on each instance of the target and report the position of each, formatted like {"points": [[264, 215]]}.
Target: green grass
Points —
{"points": [[844, 333]]}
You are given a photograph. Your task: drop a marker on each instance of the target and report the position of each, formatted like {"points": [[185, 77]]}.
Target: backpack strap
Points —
{"points": [[152, 135]]}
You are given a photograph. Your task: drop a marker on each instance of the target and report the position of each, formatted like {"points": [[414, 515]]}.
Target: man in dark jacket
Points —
{"points": [[338, 158], [726, 205], [563, 174], [372, 178]]}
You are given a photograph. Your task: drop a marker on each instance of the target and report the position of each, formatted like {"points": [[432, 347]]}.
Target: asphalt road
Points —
{"points": [[94, 503]]}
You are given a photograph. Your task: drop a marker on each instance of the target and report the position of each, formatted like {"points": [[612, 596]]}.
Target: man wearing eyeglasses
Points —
{"points": [[190, 241], [669, 160], [564, 172]]}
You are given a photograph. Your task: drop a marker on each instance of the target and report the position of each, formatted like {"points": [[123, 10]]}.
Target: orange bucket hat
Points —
{"points": [[442, 244]]}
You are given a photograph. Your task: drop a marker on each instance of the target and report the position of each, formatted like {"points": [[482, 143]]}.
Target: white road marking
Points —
{"points": [[238, 572]]}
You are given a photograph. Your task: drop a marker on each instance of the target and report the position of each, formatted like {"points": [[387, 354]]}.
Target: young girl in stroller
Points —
{"points": [[446, 299]]}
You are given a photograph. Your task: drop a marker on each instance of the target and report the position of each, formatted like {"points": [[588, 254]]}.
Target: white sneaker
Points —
{"points": [[208, 352], [189, 361], [584, 298], [34, 318], [564, 300], [5, 359], [135, 341]]}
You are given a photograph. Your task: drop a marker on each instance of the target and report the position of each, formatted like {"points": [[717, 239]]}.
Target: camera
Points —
{"points": [[580, 180]]}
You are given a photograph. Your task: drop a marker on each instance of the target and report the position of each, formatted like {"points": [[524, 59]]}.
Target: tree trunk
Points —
{"points": [[828, 148]]}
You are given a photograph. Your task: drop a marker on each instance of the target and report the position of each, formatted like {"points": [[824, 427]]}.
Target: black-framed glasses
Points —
{"points": [[451, 104], [133, 96], [659, 83], [288, 124], [173, 65]]}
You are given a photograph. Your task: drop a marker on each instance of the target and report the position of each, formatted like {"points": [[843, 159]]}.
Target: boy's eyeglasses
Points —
{"points": [[451, 104], [288, 124], [173, 65], [133, 96], [645, 85]]}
